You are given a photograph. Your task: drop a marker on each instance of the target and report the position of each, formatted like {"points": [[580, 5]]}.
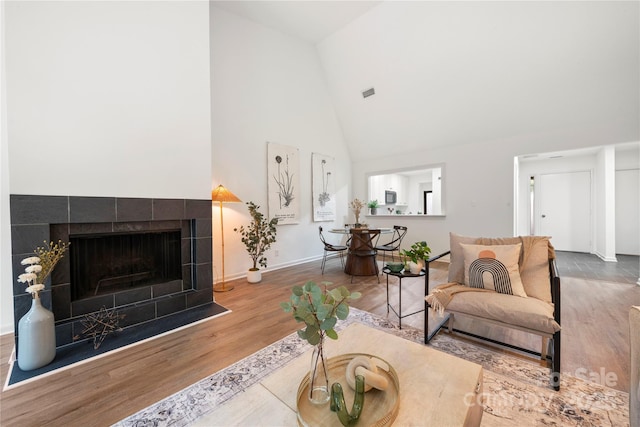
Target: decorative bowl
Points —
{"points": [[380, 407], [395, 267]]}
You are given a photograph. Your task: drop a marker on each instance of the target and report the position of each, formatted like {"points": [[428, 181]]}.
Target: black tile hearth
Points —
{"points": [[168, 209], [27, 209], [37, 218], [79, 351], [134, 210], [92, 209]]}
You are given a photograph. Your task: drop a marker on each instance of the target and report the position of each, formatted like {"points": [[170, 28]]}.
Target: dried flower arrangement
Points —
{"points": [[357, 205], [39, 267]]}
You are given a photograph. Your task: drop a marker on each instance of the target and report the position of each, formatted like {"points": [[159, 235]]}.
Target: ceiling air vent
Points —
{"points": [[368, 92]]}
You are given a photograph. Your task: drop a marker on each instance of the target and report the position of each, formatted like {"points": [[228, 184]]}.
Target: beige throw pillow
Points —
{"points": [[493, 267], [534, 261]]}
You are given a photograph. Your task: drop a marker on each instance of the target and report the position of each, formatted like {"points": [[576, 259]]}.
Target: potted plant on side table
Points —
{"points": [[257, 237], [418, 252]]}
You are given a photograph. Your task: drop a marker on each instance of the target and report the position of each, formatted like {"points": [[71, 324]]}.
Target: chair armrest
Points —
{"points": [[426, 271], [427, 335], [554, 279], [434, 258]]}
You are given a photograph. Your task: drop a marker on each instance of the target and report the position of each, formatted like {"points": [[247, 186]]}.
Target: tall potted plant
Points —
{"points": [[257, 237]]}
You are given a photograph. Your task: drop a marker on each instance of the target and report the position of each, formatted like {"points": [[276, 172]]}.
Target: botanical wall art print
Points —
{"points": [[283, 169], [324, 198]]}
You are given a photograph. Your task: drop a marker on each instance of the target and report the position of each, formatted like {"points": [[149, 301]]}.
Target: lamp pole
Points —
{"points": [[220, 195]]}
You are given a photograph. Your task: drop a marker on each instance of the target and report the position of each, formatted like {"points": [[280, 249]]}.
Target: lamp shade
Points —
{"points": [[221, 194]]}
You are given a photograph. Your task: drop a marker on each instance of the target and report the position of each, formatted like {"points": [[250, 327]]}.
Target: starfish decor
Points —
{"points": [[100, 324]]}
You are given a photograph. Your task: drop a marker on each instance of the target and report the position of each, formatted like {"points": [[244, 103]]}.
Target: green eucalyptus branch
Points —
{"points": [[319, 309]]}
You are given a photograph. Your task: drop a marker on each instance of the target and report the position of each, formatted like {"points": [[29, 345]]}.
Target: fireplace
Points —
{"points": [[145, 258], [105, 264]]}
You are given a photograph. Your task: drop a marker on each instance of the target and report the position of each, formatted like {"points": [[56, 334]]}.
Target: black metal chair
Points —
{"points": [[399, 232], [328, 247]]}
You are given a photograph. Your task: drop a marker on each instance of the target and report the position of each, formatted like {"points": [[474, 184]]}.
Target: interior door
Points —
{"points": [[627, 212], [564, 210]]}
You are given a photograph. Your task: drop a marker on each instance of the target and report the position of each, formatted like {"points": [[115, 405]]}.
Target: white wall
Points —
{"points": [[6, 289], [605, 213], [106, 99], [109, 98], [267, 86], [478, 185], [475, 84], [454, 73], [627, 158]]}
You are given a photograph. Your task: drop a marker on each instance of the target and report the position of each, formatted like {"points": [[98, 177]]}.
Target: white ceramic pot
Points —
{"points": [[415, 268], [254, 276]]}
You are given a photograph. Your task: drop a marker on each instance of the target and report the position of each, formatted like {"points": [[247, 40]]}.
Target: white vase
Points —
{"points": [[36, 337], [254, 276]]}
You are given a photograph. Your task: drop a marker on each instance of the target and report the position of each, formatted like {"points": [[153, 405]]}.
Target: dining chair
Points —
{"points": [[362, 253], [328, 247], [393, 245]]}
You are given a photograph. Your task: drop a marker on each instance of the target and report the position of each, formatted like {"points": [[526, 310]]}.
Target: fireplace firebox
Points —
{"points": [[105, 264]]}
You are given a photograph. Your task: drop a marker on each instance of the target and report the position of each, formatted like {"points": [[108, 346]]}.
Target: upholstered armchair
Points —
{"points": [[509, 282]]}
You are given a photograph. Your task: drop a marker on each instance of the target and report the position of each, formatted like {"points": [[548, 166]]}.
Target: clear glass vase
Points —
{"points": [[318, 376]]}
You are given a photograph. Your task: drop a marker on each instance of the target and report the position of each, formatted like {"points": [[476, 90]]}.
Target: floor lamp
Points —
{"points": [[222, 195]]}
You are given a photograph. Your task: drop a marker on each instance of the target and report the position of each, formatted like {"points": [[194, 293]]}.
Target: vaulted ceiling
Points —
{"points": [[448, 73], [312, 21]]}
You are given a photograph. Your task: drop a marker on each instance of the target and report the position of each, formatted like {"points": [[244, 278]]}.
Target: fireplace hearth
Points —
{"points": [[146, 258]]}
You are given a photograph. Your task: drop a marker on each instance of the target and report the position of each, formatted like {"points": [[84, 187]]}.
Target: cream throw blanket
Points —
{"points": [[442, 295]]}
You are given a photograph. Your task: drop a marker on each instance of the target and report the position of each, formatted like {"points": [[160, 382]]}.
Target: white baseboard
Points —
{"points": [[605, 258]]}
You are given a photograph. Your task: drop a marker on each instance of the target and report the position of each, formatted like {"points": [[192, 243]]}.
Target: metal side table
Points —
{"points": [[401, 275]]}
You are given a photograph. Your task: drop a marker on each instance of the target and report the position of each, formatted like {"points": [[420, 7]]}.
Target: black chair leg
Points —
{"points": [[555, 362], [324, 260]]}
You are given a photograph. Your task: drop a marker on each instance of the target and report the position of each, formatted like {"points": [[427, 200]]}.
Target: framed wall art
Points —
{"points": [[323, 187], [283, 183]]}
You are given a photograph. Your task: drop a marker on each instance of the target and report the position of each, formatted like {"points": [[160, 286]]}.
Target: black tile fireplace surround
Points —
{"points": [[35, 219]]}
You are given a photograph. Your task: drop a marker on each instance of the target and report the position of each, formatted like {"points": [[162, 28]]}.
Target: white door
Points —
{"points": [[564, 210], [628, 212]]}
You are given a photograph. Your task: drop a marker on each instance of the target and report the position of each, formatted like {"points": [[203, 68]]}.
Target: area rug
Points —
{"points": [[83, 351], [516, 391]]}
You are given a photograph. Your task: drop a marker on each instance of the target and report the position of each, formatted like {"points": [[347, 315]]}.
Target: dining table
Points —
{"points": [[361, 242]]}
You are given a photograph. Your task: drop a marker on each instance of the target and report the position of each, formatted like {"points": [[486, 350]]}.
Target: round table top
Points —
{"points": [[348, 230]]}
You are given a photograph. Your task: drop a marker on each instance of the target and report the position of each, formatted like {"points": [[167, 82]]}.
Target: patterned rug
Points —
{"points": [[516, 390]]}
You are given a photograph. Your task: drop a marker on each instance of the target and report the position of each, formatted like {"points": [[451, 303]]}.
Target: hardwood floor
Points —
{"points": [[105, 390]]}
